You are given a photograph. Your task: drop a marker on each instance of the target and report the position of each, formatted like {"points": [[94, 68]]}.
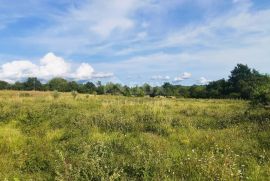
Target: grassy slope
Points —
{"points": [[107, 137]]}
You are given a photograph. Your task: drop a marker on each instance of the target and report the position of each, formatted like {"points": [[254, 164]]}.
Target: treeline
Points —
{"points": [[243, 83]]}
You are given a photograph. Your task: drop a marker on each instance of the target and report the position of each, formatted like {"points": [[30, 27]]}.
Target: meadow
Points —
{"points": [[61, 136]]}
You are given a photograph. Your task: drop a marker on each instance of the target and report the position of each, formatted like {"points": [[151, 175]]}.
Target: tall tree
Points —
{"points": [[32, 83], [58, 84], [4, 85], [243, 80], [89, 87], [73, 86]]}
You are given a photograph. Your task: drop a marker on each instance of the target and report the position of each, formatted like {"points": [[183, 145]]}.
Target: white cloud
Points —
{"points": [[50, 66], [240, 27], [17, 69], [90, 24], [53, 66], [99, 17], [85, 71], [203, 80], [211, 48], [160, 77], [185, 75]]}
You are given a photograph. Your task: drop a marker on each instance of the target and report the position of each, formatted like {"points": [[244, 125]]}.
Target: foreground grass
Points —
{"points": [[120, 138]]}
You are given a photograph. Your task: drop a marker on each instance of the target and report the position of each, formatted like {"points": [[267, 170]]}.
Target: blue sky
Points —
{"points": [[133, 41]]}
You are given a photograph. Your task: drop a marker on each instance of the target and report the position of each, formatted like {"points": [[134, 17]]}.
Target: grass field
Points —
{"points": [[127, 138]]}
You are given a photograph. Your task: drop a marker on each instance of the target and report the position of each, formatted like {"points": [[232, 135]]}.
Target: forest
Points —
{"points": [[243, 83]]}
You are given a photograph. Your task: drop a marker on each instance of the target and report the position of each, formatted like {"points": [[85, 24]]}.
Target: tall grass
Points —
{"points": [[126, 138]]}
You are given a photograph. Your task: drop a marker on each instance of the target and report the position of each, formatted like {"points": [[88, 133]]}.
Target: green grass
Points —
{"points": [[126, 138]]}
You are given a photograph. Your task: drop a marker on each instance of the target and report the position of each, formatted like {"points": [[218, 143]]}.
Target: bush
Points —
{"points": [[261, 96]]}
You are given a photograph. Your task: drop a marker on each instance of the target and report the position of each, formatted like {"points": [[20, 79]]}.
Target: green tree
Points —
{"points": [[243, 81], [111, 88], [17, 86], [156, 91], [32, 83], [147, 89], [261, 94], [126, 91], [3, 85], [73, 86], [100, 88], [89, 87], [183, 91], [137, 91], [198, 91], [58, 84], [217, 89]]}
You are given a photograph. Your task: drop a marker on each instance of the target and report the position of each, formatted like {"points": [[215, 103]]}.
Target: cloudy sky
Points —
{"points": [[133, 41]]}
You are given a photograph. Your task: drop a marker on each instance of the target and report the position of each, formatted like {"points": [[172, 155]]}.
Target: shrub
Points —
{"points": [[261, 96]]}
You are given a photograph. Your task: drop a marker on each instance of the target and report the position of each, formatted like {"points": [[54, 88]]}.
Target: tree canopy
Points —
{"points": [[242, 83]]}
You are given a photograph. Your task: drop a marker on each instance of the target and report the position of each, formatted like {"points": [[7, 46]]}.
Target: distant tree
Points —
{"points": [[241, 81], [17, 86], [89, 87], [72, 86], [100, 88], [218, 89], [111, 88], [168, 89], [137, 91], [32, 83], [58, 84], [4, 85], [183, 91], [99, 83], [198, 91], [147, 89], [156, 91], [126, 91]]}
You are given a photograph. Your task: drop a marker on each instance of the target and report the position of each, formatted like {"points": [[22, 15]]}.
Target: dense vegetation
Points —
{"points": [[70, 136], [244, 83]]}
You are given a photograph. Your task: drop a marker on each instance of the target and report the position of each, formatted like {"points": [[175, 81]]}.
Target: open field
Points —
{"points": [[127, 138]]}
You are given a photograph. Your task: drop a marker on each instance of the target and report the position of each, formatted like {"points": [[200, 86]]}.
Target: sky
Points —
{"points": [[132, 41]]}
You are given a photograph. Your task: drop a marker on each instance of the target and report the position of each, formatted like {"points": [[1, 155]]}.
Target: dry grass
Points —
{"points": [[121, 138]]}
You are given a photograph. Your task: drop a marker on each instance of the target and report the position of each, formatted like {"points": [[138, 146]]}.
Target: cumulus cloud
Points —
{"points": [[49, 66], [53, 66], [203, 80], [185, 75], [160, 77], [17, 69], [85, 71]]}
